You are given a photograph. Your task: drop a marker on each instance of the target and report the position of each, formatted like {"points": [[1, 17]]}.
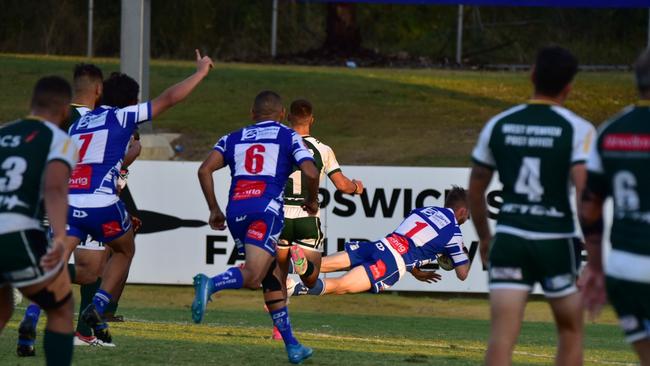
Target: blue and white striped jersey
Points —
{"points": [[426, 232], [261, 158], [102, 137]]}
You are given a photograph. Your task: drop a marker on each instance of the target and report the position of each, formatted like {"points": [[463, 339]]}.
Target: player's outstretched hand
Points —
{"points": [[217, 220], [594, 296], [310, 207], [54, 255], [426, 276], [358, 186], [203, 64]]}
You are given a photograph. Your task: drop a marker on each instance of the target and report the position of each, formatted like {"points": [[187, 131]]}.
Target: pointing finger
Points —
{"points": [[198, 54]]}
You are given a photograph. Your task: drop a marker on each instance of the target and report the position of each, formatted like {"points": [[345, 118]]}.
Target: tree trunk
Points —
{"points": [[343, 33]]}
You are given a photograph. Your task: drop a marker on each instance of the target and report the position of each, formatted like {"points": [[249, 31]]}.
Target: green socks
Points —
{"points": [[58, 348]]}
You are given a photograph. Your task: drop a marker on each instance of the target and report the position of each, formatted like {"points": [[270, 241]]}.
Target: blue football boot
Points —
{"points": [[298, 353], [203, 288]]}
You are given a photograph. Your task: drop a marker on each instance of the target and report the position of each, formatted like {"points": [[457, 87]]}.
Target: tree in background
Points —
{"points": [[343, 34]]}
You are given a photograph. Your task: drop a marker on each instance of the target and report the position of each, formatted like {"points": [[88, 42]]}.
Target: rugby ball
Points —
{"points": [[445, 262]]}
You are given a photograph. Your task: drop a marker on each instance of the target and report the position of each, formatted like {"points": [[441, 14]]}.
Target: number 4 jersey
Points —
{"points": [[533, 147], [102, 137], [26, 147], [260, 157]]}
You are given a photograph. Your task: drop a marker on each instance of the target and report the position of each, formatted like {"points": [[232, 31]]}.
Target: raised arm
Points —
{"points": [[213, 162], [176, 93], [345, 184], [478, 182]]}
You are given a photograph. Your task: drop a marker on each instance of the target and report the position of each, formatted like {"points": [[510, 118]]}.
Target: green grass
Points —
{"points": [[365, 329], [369, 116]]}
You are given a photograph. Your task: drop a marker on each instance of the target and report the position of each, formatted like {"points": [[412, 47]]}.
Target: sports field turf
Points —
{"points": [[369, 116], [362, 329]]}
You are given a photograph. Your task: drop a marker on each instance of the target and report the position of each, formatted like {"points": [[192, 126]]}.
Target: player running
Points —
{"points": [[424, 235], [95, 208], [618, 167], [537, 148], [87, 89], [260, 157], [36, 158], [302, 230]]}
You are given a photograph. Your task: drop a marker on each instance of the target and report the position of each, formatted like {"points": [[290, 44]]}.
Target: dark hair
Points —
{"points": [[50, 93], [301, 108], [90, 71], [267, 103], [120, 90], [555, 68], [457, 196], [642, 72]]}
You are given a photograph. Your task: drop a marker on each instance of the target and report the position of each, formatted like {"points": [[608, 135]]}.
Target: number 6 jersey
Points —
{"points": [[261, 158], [533, 147]]}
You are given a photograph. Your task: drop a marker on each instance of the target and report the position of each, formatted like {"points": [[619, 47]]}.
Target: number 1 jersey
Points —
{"points": [[261, 157]]}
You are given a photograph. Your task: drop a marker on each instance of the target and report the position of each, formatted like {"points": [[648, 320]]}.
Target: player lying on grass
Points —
{"points": [[427, 234]]}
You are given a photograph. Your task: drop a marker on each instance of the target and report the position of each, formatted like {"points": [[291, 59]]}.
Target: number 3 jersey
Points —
{"points": [[426, 232], [533, 147], [102, 136], [26, 147], [261, 157]]}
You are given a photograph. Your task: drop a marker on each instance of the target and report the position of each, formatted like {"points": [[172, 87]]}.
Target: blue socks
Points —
{"points": [[281, 321], [232, 279], [317, 290], [101, 301], [33, 312]]}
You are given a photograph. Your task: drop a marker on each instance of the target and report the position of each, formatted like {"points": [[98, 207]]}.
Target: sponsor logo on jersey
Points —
{"points": [[240, 218], [9, 141], [247, 189], [437, 218], [111, 228], [535, 210], [12, 202], [91, 121], [399, 243], [378, 269], [506, 273], [257, 230], [80, 177], [627, 142], [260, 133]]}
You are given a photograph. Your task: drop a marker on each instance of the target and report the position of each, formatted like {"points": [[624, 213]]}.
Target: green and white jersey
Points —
{"points": [[533, 147], [620, 166], [26, 146], [295, 191]]}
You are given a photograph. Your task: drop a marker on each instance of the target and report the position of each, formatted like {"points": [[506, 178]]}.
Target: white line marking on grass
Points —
{"points": [[378, 340]]}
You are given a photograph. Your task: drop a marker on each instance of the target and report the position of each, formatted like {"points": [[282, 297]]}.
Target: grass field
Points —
{"points": [[365, 329], [369, 116]]}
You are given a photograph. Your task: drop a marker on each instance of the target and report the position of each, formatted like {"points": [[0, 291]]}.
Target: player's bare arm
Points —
{"points": [[176, 93], [345, 184], [462, 271], [212, 163], [590, 213], [311, 173], [478, 182], [135, 148], [55, 193], [426, 276]]}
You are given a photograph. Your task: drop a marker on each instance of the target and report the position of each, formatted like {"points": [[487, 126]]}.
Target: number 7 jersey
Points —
{"points": [[533, 147], [261, 157]]}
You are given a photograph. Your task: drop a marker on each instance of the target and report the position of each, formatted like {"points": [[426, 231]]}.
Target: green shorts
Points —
{"points": [[518, 263], [631, 300], [20, 256], [303, 231]]}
